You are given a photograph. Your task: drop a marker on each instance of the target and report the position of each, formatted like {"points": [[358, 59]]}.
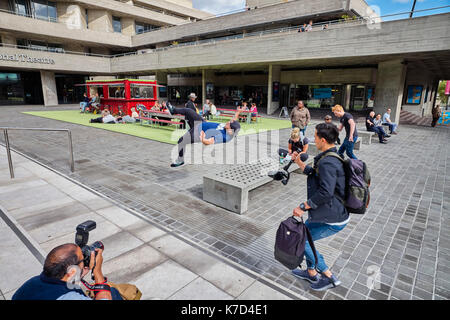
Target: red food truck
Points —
{"points": [[123, 94]]}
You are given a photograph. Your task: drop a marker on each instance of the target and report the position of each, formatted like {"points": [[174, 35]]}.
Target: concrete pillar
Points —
{"points": [[100, 20], [72, 15], [161, 78], [274, 76], [49, 88], [207, 77], [128, 27], [7, 39], [391, 78], [347, 96]]}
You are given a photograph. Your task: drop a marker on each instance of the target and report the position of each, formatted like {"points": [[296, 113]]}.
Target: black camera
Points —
{"points": [[82, 237], [284, 174]]}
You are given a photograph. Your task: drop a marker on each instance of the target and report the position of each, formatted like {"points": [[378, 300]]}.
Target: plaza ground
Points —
{"points": [[403, 236]]}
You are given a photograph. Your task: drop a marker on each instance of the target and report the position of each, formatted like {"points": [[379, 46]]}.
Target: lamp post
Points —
{"points": [[412, 10]]}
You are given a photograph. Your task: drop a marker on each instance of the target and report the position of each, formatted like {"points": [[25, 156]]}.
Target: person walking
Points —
{"points": [[326, 213], [436, 112], [351, 136], [300, 117]]}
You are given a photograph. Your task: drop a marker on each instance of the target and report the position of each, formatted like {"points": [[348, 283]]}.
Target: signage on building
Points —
{"points": [[18, 57], [322, 93]]}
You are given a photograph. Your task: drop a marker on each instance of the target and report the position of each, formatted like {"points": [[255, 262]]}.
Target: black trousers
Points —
{"points": [[192, 135]]}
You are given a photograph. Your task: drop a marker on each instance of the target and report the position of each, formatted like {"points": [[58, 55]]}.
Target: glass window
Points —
{"points": [[144, 27], [40, 9], [141, 92], [117, 25], [37, 45], [117, 91], [11, 89], [52, 13], [21, 7], [54, 47]]}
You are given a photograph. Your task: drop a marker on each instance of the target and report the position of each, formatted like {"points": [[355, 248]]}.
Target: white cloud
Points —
{"points": [[219, 6]]}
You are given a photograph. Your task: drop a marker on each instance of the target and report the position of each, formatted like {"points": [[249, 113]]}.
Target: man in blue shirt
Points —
{"points": [[60, 268], [387, 121], [202, 131]]}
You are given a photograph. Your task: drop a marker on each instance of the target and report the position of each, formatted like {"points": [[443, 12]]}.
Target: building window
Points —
{"points": [[144, 27], [117, 25], [45, 10], [86, 15], [40, 45]]}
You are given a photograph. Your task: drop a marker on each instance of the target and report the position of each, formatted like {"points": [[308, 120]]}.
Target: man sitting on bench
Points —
{"points": [[200, 130]]}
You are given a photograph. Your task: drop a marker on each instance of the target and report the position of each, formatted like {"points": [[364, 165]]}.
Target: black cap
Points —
{"points": [[235, 126]]}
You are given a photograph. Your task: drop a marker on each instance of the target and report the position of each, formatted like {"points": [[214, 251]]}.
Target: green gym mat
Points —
{"points": [[166, 134]]}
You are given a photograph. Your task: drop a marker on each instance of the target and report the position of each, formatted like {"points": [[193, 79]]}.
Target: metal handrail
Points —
{"points": [[8, 147]]}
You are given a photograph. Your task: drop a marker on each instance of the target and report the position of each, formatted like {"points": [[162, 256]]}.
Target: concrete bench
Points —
{"points": [[229, 188], [366, 135]]}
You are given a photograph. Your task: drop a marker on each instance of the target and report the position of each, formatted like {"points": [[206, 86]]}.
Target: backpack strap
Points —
{"points": [[316, 169], [311, 243]]}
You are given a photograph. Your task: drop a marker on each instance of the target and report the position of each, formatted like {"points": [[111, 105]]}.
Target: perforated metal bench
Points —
{"points": [[229, 188]]}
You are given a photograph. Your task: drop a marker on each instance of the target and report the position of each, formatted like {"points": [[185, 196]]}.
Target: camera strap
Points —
{"points": [[97, 287]]}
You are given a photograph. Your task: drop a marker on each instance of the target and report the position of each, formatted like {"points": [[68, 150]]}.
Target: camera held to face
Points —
{"points": [[82, 237]]}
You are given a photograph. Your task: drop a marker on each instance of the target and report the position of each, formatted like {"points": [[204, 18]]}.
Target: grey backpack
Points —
{"points": [[357, 182]]}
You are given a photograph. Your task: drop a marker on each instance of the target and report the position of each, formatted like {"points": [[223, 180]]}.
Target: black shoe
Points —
{"points": [[384, 142], [169, 107], [387, 136]]}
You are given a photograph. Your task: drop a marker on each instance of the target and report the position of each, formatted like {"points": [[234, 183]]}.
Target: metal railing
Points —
{"points": [[8, 147]]}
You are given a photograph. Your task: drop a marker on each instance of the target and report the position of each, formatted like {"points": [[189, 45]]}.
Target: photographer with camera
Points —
{"points": [[327, 215], [65, 266]]}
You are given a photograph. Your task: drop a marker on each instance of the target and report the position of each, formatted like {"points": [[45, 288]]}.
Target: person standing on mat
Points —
{"points": [[202, 131]]}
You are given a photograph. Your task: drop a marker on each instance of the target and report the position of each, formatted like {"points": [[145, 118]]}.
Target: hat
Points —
{"points": [[235, 126], [192, 95]]}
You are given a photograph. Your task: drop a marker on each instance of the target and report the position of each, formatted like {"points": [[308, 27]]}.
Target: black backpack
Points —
{"points": [[357, 183], [290, 243]]}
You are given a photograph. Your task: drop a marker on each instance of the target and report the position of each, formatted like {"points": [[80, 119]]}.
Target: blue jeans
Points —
{"points": [[348, 147], [83, 106], [318, 231], [392, 126], [301, 130]]}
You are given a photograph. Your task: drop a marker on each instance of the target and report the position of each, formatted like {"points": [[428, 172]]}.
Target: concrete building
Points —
{"points": [[350, 57]]}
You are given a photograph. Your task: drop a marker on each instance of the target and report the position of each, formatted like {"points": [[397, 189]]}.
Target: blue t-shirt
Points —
{"points": [[215, 130]]}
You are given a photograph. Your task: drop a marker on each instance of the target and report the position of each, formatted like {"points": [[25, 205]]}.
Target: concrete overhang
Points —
{"points": [[182, 10], [40, 29], [274, 14], [20, 59], [419, 39], [127, 10]]}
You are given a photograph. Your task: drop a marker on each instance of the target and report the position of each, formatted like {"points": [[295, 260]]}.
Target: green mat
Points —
{"points": [[166, 134]]}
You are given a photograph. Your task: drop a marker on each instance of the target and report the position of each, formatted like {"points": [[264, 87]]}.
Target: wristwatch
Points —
{"points": [[302, 206]]}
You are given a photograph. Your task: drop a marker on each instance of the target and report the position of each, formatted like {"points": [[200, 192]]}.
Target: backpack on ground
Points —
{"points": [[357, 183], [290, 243]]}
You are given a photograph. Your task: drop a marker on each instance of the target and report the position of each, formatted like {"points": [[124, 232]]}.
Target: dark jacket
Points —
{"points": [[43, 288], [322, 190], [191, 105]]}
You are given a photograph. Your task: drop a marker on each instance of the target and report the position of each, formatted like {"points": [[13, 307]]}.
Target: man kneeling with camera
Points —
{"points": [[65, 266]]}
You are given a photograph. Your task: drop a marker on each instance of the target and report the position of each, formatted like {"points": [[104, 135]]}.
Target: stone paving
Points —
{"points": [[400, 249], [39, 209]]}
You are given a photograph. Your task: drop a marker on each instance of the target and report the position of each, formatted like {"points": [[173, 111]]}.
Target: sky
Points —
{"points": [[386, 7]]}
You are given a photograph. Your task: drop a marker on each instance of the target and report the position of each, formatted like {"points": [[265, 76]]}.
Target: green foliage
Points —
{"points": [[441, 92]]}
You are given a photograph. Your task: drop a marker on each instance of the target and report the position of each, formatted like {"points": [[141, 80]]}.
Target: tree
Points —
{"points": [[441, 92]]}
